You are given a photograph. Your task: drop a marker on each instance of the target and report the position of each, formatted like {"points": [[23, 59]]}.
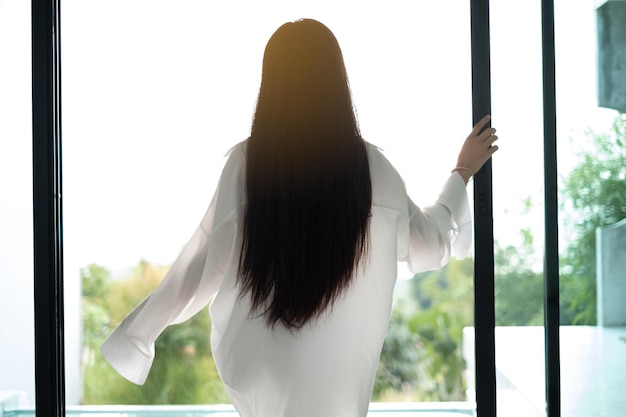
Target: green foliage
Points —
{"points": [[445, 298], [422, 357], [518, 287], [441, 365], [95, 284], [594, 195], [397, 372], [183, 371], [425, 363]]}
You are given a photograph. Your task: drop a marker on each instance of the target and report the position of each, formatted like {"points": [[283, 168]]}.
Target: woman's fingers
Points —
{"points": [[480, 125], [491, 149], [479, 146], [487, 134]]}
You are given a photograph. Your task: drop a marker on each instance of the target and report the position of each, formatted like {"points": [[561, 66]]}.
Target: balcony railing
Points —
{"points": [[12, 405]]}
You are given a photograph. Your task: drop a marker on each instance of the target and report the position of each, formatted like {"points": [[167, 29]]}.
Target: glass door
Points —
{"points": [[518, 195], [591, 101], [156, 92], [17, 366]]}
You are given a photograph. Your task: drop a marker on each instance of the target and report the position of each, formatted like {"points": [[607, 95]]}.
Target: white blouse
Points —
{"points": [[328, 367]]}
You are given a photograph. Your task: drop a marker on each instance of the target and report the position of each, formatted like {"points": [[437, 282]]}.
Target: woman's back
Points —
{"points": [[281, 348], [327, 367]]}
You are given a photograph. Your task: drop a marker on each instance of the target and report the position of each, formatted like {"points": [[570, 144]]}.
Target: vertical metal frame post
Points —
{"points": [[47, 213], [47, 209], [484, 311], [551, 244]]}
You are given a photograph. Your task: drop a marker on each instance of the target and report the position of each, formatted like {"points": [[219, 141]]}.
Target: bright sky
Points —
{"points": [[156, 92]]}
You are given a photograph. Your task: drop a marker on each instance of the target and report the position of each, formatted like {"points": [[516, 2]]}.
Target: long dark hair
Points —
{"points": [[306, 221]]}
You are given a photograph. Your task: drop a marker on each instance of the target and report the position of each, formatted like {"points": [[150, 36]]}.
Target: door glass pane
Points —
{"points": [[17, 348], [591, 100], [156, 92], [518, 207]]}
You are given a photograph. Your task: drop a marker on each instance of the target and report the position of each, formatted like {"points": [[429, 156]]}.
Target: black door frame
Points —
{"points": [[484, 310], [551, 216], [47, 209], [48, 226]]}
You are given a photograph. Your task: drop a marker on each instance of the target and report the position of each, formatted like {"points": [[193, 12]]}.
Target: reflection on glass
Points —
{"points": [[592, 165], [17, 370], [592, 169], [518, 207], [155, 93]]}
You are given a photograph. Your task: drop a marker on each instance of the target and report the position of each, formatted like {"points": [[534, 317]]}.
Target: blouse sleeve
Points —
{"points": [[187, 288], [442, 230]]}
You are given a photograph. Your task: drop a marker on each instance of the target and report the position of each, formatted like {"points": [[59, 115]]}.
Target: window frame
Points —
{"points": [[47, 209], [48, 216], [484, 292], [551, 228]]}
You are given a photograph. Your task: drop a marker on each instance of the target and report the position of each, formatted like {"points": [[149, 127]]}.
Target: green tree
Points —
{"points": [[397, 371], [422, 355], [95, 284], [518, 289], [441, 366], [183, 371], [594, 195], [445, 299], [518, 278]]}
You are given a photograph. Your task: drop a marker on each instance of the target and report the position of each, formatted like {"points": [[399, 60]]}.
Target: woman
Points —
{"points": [[300, 244]]}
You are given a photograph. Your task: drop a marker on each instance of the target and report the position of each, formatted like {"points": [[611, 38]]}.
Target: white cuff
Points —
{"points": [[454, 196], [127, 359]]}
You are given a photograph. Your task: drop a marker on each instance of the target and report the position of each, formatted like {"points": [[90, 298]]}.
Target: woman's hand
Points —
{"points": [[477, 149]]}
